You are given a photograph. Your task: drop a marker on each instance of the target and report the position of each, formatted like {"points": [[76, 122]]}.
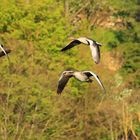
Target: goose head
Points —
{"points": [[68, 73], [98, 44]]}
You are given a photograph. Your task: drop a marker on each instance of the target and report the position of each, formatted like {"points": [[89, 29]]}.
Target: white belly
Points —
{"points": [[80, 76]]}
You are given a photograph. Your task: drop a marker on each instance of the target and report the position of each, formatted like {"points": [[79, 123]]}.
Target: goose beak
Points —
{"points": [[99, 44]]}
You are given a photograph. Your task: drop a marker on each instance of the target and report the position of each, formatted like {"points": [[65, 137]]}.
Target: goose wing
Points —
{"points": [[95, 50], [71, 44], [91, 74], [62, 83]]}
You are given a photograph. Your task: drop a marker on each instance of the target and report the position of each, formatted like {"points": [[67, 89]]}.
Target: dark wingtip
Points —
{"points": [[62, 50], [59, 92]]}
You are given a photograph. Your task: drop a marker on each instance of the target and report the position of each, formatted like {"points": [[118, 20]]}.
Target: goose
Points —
{"points": [[83, 76], [94, 46], [4, 52]]}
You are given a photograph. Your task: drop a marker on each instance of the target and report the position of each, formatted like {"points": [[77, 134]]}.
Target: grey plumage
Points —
{"points": [[83, 76], [94, 46]]}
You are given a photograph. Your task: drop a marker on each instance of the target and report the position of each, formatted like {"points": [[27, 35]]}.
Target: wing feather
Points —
{"points": [[71, 44], [62, 83], [95, 50]]}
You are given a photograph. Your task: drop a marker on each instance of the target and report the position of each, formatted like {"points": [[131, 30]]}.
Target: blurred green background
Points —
{"points": [[35, 31]]}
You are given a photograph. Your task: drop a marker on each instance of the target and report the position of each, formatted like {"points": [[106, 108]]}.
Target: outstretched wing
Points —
{"points": [[71, 44], [91, 74], [95, 50], [2, 53], [62, 83]]}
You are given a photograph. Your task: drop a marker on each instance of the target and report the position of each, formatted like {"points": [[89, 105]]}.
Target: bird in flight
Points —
{"points": [[94, 46], [83, 76]]}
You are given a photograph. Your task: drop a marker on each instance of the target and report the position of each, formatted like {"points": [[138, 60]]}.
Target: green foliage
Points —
{"points": [[35, 31], [132, 63]]}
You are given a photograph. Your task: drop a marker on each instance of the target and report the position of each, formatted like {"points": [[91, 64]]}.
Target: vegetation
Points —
{"points": [[35, 31]]}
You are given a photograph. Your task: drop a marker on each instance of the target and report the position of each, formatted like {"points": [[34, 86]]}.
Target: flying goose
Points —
{"points": [[83, 76], [94, 46], [4, 52]]}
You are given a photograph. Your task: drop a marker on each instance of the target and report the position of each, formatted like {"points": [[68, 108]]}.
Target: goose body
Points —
{"points": [[83, 76], [94, 47], [80, 76]]}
